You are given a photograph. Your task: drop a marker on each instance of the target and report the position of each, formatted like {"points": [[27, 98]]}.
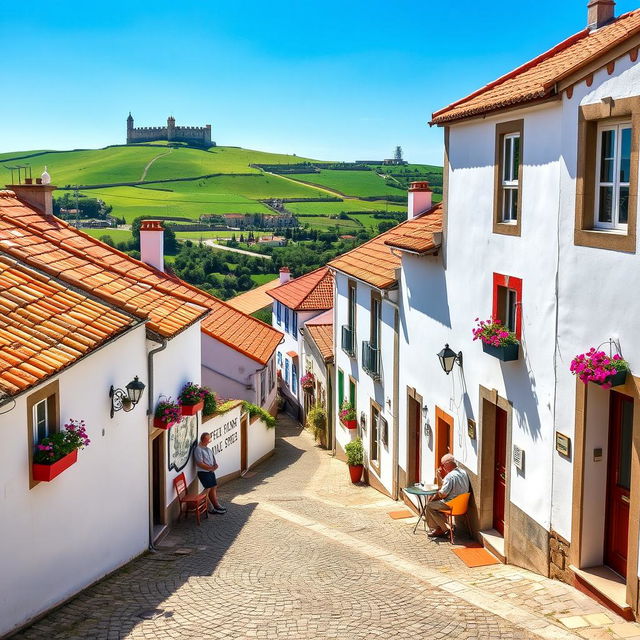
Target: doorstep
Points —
{"points": [[605, 586], [159, 532], [493, 541]]}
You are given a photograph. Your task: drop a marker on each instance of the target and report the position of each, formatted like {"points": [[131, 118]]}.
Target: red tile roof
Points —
{"points": [[320, 330], [254, 299], [536, 80], [310, 292], [420, 235], [168, 304], [45, 326]]}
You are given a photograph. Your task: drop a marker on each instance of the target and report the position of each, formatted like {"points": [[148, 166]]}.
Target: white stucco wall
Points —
{"points": [[62, 535], [260, 441]]}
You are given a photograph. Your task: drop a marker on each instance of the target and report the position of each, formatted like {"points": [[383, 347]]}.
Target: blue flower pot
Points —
{"points": [[506, 353]]}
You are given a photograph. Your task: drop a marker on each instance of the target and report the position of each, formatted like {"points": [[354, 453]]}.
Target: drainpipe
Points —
{"points": [[162, 347]]}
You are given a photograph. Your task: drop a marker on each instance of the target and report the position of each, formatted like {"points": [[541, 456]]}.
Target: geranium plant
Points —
{"points": [[60, 444], [493, 333], [596, 366], [168, 411], [308, 381], [347, 411], [192, 393]]}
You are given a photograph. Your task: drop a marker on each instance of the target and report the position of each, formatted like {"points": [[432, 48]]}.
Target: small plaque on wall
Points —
{"points": [[563, 444], [471, 428]]}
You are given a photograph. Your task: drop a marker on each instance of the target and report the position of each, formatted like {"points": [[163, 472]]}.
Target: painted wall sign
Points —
{"points": [[225, 436], [563, 444], [182, 440]]}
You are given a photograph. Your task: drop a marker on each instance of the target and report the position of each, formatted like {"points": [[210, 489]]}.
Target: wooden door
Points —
{"points": [[616, 535], [444, 435], [157, 478], [500, 470], [413, 439], [243, 443]]}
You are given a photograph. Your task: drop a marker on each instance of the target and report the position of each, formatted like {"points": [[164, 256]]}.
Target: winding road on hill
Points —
{"points": [[160, 155], [224, 247]]}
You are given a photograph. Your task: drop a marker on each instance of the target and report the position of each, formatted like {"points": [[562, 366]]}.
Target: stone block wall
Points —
{"points": [[559, 558]]}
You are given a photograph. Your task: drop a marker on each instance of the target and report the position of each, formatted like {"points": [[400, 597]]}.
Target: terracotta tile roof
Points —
{"points": [[255, 299], [45, 326], [310, 292], [170, 305], [419, 235], [320, 329], [536, 79]]}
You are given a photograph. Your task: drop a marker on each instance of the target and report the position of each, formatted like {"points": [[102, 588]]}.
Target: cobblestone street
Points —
{"points": [[302, 553]]}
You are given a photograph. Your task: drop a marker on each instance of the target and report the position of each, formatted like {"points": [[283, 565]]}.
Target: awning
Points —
{"points": [[292, 354]]}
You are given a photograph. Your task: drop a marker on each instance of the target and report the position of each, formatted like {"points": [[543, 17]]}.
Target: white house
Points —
{"points": [[296, 302]]}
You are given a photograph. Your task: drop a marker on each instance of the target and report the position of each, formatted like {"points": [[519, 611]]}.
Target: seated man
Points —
{"points": [[454, 484]]}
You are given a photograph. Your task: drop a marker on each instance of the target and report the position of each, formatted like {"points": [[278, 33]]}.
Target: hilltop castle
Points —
{"points": [[191, 135]]}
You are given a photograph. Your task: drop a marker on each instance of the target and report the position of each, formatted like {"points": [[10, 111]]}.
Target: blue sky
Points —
{"points": [[335, 80]]}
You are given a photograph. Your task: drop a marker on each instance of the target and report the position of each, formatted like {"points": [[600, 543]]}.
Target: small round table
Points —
{"points": [[421, 493]]}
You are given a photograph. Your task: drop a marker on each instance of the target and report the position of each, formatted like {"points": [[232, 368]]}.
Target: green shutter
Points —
{"points": [[352, 393], [340, 387]]}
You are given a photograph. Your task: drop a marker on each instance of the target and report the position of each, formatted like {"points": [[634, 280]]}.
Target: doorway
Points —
{"points": [[157, 481], [616, 537], [414, 462], [444, 435], [244, 422], [500, 470]]}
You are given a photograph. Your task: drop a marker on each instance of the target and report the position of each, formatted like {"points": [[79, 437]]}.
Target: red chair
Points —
{"points": [[457, 507], [196, 502]]}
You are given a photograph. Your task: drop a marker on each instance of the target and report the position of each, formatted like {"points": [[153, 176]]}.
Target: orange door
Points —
{"points": [[415, 420], [500, 470], [444, 435], [618, 482]]}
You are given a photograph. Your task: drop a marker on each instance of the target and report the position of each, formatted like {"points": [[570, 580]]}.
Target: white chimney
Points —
{"points": [[419, 199], [152, 243], [36, 195], [599, 13], [285, 275]]}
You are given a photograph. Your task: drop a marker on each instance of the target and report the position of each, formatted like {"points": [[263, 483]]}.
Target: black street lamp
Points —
{"points": [[126, 400], [448, 357]]}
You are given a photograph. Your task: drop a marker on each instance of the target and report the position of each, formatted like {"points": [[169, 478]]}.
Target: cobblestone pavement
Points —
{"points": [[302, 553]]}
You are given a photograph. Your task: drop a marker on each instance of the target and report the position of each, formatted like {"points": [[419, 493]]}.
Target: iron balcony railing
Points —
{"points": [[371, 360], [349, 340]]}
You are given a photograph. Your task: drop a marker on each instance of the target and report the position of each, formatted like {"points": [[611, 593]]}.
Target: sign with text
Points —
{"points": [[225, 442]]}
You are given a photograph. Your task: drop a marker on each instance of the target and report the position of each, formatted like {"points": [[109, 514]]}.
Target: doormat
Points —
{"points": [[476, 556], [403, 513]]}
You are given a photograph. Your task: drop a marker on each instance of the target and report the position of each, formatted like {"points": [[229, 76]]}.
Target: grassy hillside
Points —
{"points": [[349, 183]]}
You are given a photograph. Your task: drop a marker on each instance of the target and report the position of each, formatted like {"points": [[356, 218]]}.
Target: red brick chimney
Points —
{"points": [[599, 13], [36, 195]]}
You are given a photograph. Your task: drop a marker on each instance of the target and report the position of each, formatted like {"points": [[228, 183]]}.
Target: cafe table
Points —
{"points": [[422, 493]]}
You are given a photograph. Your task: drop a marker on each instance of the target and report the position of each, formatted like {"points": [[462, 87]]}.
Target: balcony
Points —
{"points": [[371, 360], [349, 340]]}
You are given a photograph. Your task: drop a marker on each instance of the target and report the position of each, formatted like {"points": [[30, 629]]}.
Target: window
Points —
{"points": [[42, 426], [508, 178], [352, 306], [263, 386], [341, 396], [286, 370], [294, 377], [286, 319], [376, 313], [507, 302], [279, 313], [352, 392], [510, 170], [294, 322], [43, 416], [613, 176], [272, 377], [376, 432], [279, 356], [607, 174]]}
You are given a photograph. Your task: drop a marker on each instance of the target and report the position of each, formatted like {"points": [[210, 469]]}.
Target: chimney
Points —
{"points": [[419, 199], [599, 13], [36, 195], [152, 243], [285, 275]]}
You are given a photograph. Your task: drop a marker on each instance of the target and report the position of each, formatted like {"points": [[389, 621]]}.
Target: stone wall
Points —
{"points": [[559, 558]]}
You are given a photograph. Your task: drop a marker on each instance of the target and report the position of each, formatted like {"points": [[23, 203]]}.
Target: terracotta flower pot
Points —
{"points": [[350, 424], [191, 409], [47, 472], [355, 471], [161, 424]]}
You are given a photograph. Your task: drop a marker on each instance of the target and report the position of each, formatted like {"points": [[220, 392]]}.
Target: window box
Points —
{"points": [[349, 424], [191, 409], [47, 472], [161, 424], [595, 366], [615, 380], [506, 353]]}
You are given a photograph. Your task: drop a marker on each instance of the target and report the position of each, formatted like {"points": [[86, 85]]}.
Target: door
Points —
{"points": [[413, 438], [157, 478], [618, 482], [444, 435], [243, 443], [500, 470]]}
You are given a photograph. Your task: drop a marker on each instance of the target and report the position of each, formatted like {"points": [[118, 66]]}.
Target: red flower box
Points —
{"points": [[350, 424], [191, 409], [47, 472], [161, 424]]}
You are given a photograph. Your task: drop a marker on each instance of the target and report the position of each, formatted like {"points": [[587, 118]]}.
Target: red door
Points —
{"points": [[500, 470], [618, 482]]}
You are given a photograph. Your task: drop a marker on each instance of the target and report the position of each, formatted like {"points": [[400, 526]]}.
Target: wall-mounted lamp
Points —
{"points": [[448, 357], [363, 420], [126, 400]]}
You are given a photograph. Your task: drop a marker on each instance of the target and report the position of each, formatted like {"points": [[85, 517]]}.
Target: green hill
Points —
{"points": [[161, 180]]}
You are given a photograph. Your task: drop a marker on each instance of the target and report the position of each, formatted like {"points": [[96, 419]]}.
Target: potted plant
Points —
{"points": [[191, 398], [59, 451], [317, 423], [596, 366], [355, 458], [167, 414], [308, 382], [348, 415], [496, 339], [210, 404]]}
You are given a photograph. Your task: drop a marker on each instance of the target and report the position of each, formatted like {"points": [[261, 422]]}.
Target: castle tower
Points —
{"points": [[129, 128], [171, 128]]}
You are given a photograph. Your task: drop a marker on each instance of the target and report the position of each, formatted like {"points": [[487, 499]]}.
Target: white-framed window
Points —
{"points": [[613, 171], [509, 176], [42, 426]]}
